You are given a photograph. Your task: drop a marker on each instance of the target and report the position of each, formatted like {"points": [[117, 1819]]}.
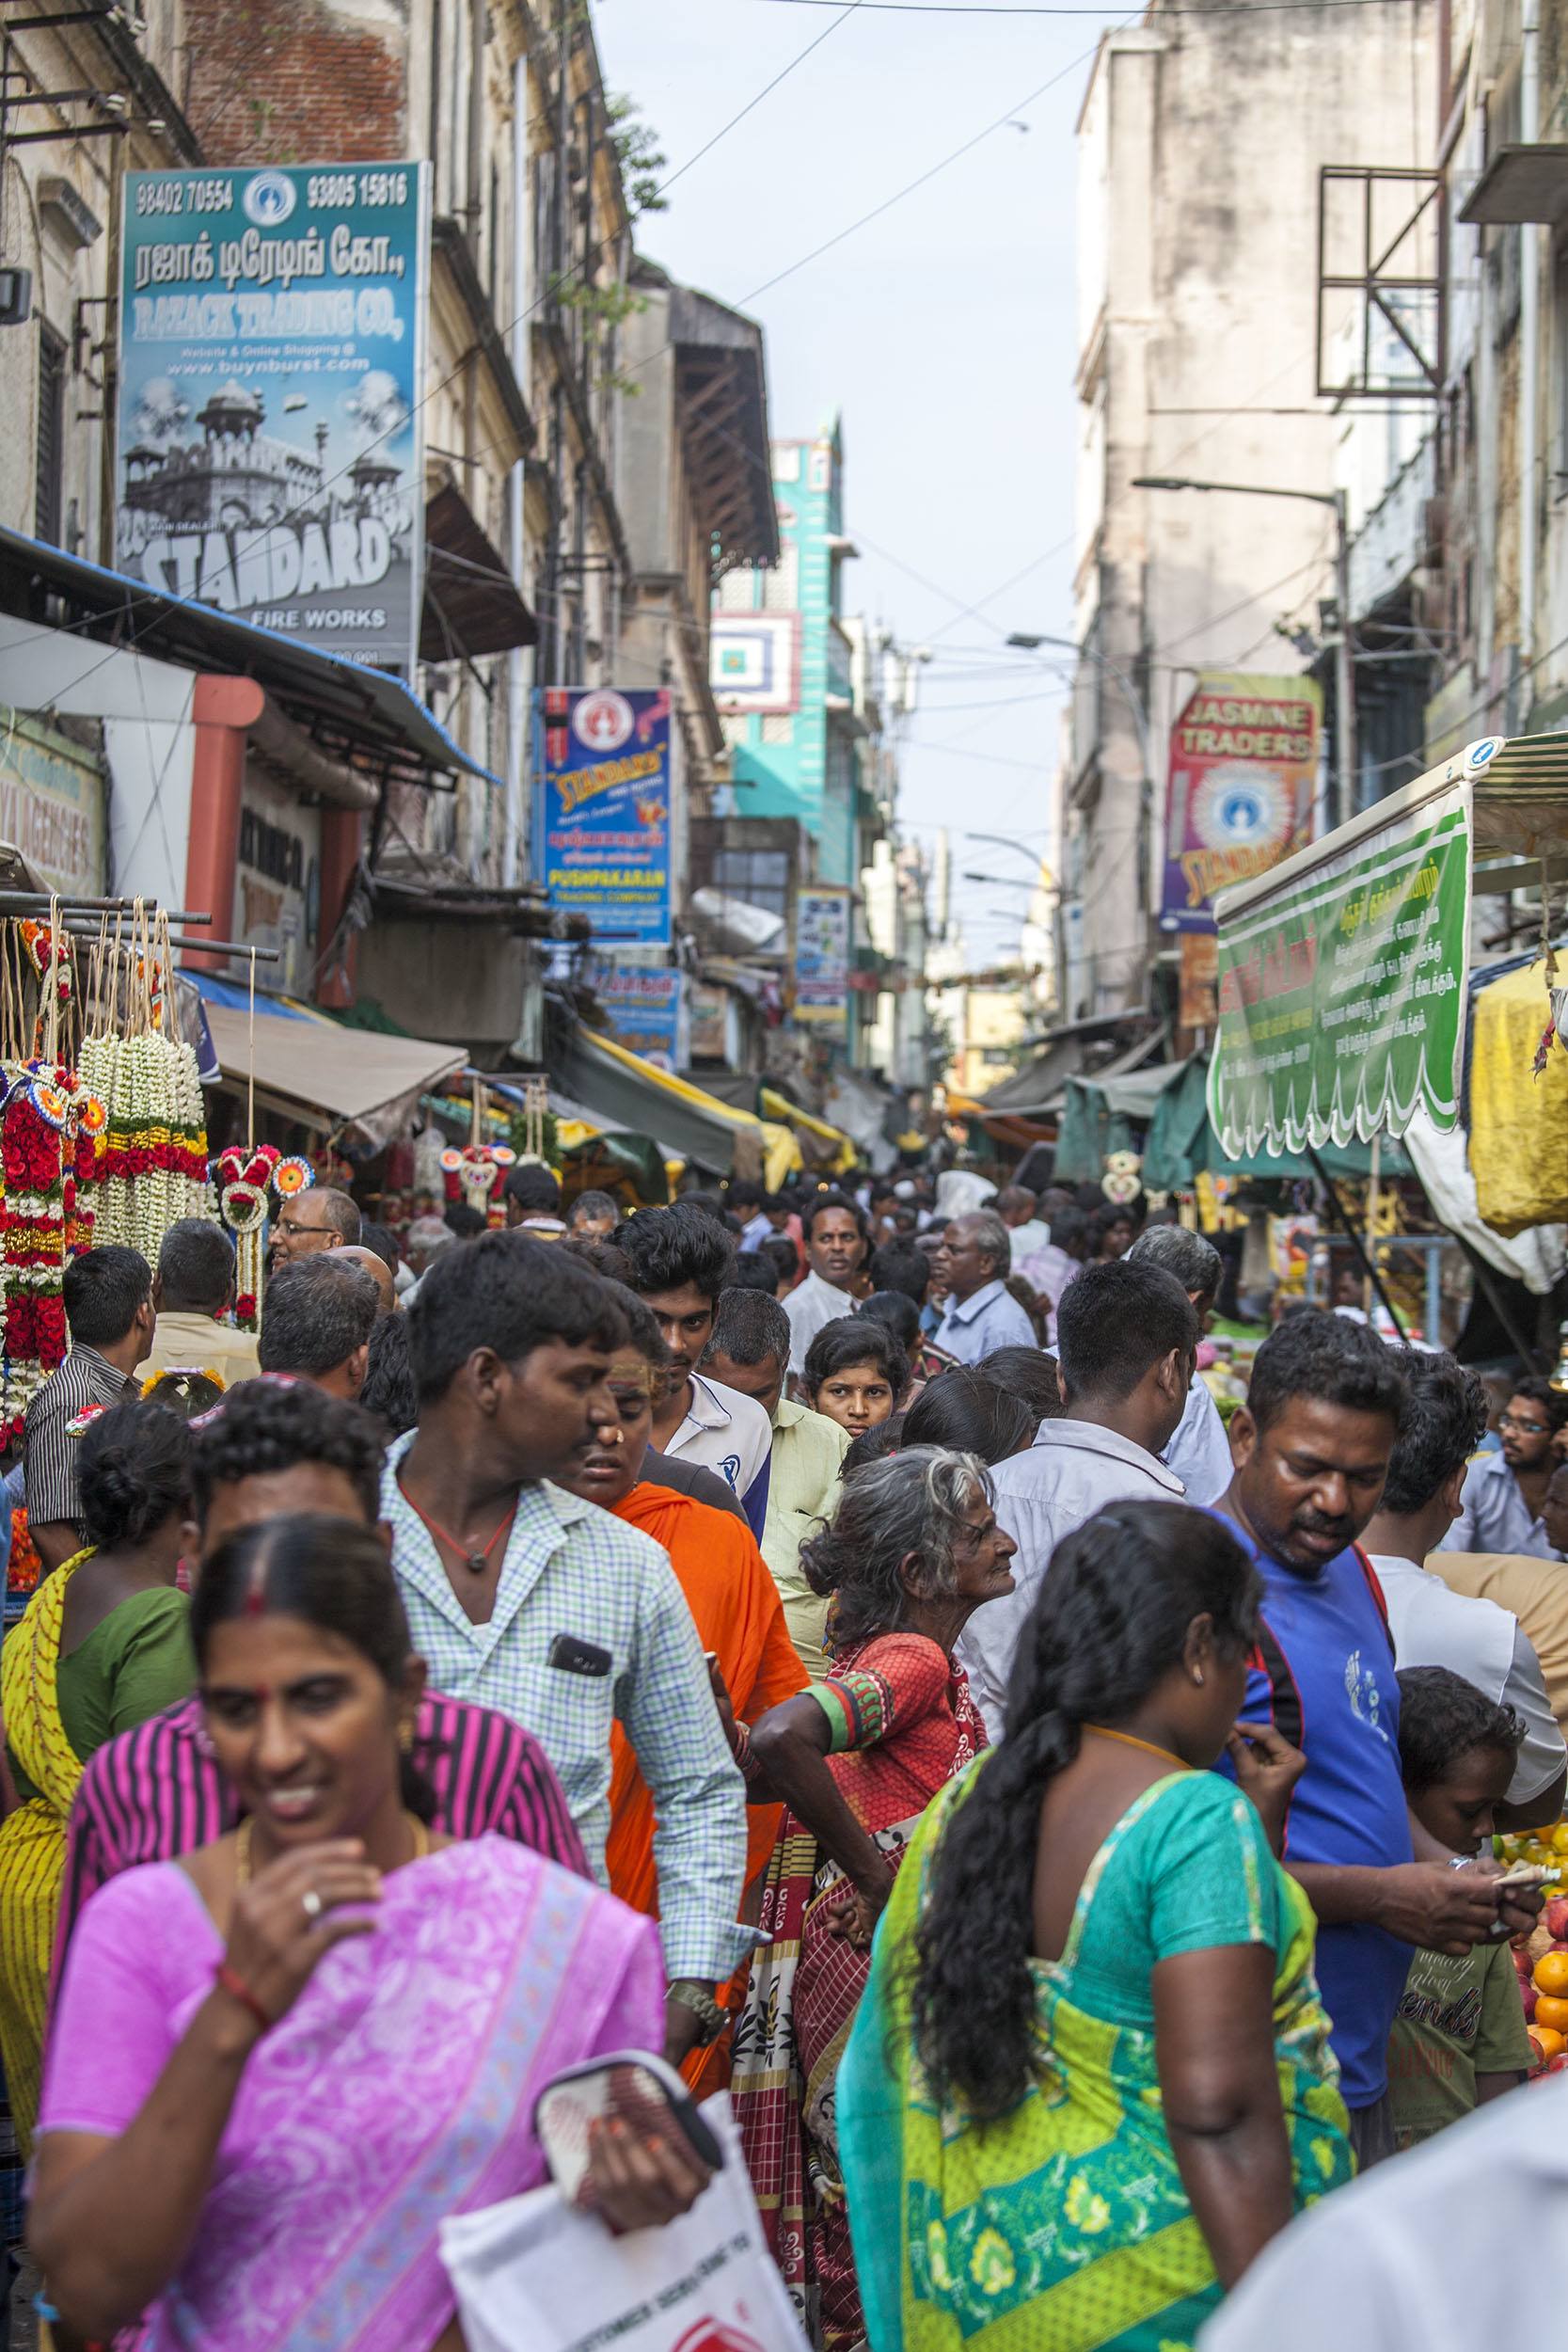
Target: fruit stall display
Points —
{"points": [[1541, 1958]]}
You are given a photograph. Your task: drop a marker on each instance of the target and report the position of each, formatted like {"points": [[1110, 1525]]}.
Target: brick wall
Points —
{"points": [[294, 82]]}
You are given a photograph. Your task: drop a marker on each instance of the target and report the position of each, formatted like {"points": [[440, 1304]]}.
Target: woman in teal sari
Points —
{"points": [[1090, 2077]]}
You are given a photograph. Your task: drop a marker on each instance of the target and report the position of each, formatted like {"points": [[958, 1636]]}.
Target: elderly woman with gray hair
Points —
{"points": [[913, 1551]]}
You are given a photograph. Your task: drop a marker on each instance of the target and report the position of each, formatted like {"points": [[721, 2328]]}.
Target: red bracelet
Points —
{"points": [[228, 1981]]}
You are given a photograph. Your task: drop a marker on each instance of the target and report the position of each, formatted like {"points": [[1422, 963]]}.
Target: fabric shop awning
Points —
{"points": [[308, 1067], [621, 1086]]}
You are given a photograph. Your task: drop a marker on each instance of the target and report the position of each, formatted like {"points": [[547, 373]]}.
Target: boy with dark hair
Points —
{"points": [[682, 1261], [1459, 2037]]}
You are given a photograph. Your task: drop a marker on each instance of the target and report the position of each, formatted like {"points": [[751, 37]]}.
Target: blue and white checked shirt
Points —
{"points": [[572, 1569]]}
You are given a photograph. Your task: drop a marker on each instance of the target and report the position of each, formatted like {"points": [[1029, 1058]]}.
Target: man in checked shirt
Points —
{"points": [[268, 1449]]}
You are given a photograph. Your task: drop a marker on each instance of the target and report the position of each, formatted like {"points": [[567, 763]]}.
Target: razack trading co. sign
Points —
{"points": [[602, 839], [1243, 772], [270, 457], [1341, 990]]}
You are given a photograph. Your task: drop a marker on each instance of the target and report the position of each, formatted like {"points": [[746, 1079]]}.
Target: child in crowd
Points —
{"points": [[1459, 2038], [856, 1373]]}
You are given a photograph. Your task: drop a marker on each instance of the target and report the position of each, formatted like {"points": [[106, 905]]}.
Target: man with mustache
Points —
{"points": [[1311, 1449]]}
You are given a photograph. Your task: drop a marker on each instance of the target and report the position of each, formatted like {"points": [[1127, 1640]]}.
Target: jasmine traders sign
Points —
{"points": [[270, 457], [1341, 989]]}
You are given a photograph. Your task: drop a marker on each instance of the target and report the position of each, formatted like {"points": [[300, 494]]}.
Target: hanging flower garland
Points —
{"points": [[25, 1567], [474, 1174], [154, 1155], [242, 1177], [292, 1177], [34, 1121]]}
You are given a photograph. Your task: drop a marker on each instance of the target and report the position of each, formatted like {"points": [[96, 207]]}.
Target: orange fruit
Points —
{"points": [[1548, 2040], [1553, 2013], [1551, 1974]]}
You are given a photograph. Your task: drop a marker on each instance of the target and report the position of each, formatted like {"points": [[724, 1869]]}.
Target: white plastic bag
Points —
{"points": [[532, 2275]]}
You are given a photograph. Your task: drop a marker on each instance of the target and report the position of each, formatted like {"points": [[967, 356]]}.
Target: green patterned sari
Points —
{"points": [[1065, 2226]]}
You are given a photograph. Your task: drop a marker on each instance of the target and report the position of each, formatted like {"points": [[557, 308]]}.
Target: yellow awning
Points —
{"points": [[695, 1123], [778, 1107]]}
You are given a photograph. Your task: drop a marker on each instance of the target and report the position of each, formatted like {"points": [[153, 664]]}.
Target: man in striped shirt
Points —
{"points": [[155, 1792]]}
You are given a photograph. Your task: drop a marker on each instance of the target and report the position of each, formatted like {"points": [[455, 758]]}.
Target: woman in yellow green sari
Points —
{"points": [[1090, 2077], [102, 1645]]}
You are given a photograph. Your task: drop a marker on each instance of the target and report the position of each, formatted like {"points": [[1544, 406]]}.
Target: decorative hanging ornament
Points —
{"points": [[292, 1177], [243, 1175], [1122, 1180]]}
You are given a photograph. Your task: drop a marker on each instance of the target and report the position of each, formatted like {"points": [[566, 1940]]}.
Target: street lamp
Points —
{"points": [[1344, 676], [1006, 881], [1030, 641]]}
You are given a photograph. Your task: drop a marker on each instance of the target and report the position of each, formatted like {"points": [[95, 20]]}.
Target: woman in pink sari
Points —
{"points": [[275, 2066]]}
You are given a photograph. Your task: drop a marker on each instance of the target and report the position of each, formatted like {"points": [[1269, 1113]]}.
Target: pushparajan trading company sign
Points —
{"points": [[270, 457]]}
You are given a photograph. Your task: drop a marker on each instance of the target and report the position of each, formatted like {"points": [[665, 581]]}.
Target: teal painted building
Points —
{"points": [[784, 666]]}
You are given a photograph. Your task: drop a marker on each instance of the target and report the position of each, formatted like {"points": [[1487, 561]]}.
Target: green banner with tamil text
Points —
{"points": [[1342, 992]]}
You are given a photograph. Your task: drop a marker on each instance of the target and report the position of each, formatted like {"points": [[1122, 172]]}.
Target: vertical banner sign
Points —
{"points": [[1243, 772], [642, 1009], [822, 955], [603, 816], [1341, 994], [270, 455]]}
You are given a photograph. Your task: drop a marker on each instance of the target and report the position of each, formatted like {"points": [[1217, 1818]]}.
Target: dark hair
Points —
{"points": [[821, 1201], [1553, 1402], [134, 1472], [606, 1257], [1441, 1715], [897, 1310], [187, 1392], [752, 1271], [383, 1240], [1110, 1620], [1116, 1322], [698, 1196], [643, 1331], [748, 1328], [911, 1504], [744, 1192], [873, 1445], [342, 1214], [590, 1205], [899, 1265], [847, 1342], [509, 1294], [104, 1290], [262, 1427], [317, 1311], [671, 1247], [389, 1391], [968, 1413], [1115, 1212], [1067, 1227], [196, 1267], [1325, 1356], [1443, 1422], [332, 1574], [1029, 1373], [464, 1220], [786, 1257], [533, 1187]]}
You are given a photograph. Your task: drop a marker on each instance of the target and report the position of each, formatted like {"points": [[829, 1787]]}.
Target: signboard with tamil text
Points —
{"points": [[1341, 991], [643, 1007], [270, 456], [1243, 772], [822, 955], [603, 810]]}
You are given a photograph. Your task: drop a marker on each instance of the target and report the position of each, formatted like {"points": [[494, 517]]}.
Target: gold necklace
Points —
{"points": [[1104, 1731], [241, 1845]]}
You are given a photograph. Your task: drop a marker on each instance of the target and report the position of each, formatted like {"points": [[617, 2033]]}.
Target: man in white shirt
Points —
{"points": [[1127, 1336], [837, 1239], [1435, 1627], [981, 1313], [1199, 1453], [1020, 1212], [682, 1258]]}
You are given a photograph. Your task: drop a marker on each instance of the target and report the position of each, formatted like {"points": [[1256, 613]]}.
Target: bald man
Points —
{"points": [[380, 1273]]}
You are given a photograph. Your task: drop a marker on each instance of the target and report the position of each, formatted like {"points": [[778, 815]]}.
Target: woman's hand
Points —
{"points": [[294, 1912], [854, 1916], [638, 2179], [1267, 1768]]}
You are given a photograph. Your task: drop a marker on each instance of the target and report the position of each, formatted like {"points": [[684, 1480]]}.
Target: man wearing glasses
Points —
{"points": [[310, 1222], [1505, 1494]]}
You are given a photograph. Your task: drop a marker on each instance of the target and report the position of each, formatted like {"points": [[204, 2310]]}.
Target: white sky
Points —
{"points": [[943, 333]]}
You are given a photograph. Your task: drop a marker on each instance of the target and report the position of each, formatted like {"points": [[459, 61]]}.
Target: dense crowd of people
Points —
{"points": [[834, 1640]]}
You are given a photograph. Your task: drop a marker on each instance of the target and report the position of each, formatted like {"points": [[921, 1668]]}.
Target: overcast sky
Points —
{"points": [[943, 332]]}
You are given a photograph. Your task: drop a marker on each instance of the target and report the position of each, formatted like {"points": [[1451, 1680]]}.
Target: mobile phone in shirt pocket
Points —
{"points": [[570, 1655]]}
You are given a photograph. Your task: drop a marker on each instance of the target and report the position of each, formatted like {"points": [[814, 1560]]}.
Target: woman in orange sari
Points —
{"points": [[741, 1623]]}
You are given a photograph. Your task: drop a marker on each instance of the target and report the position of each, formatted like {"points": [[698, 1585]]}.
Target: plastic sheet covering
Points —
{"points": [[1519, 1122], [1533, 1257]]}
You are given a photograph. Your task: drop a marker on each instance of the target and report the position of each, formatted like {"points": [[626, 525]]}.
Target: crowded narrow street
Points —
{"points": [[784, 1175]]}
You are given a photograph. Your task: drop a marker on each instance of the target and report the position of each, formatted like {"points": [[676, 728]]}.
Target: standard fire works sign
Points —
{"points": [[270, 457]]}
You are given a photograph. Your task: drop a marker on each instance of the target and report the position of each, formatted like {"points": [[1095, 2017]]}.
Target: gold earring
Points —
{"points": [[405, 1737]]}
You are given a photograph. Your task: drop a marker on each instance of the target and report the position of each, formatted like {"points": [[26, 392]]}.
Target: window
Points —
{"points": [[49, 455], [758, 876], [781, 584], [737, 590]]}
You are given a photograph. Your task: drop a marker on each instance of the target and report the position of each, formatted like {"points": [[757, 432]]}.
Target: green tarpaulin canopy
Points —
{"points": [[1170, 1102]]}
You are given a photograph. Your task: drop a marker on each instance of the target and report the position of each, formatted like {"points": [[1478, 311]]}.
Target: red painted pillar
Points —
{"points": [[224, 710], [342, 839]]}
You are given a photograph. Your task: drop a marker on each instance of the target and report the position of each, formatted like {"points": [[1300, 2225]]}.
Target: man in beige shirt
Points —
{"points": [[1534, 1591], [193, 1286]]}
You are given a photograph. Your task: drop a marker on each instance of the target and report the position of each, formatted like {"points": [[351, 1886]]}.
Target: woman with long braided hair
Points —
{"points": [[1090, 2077]]}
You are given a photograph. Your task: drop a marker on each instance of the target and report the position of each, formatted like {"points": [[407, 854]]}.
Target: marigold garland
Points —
{"points": [[25, 1567]]}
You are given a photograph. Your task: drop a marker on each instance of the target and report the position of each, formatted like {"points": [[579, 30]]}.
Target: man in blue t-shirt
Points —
{"points": [[1311, 1449]]}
